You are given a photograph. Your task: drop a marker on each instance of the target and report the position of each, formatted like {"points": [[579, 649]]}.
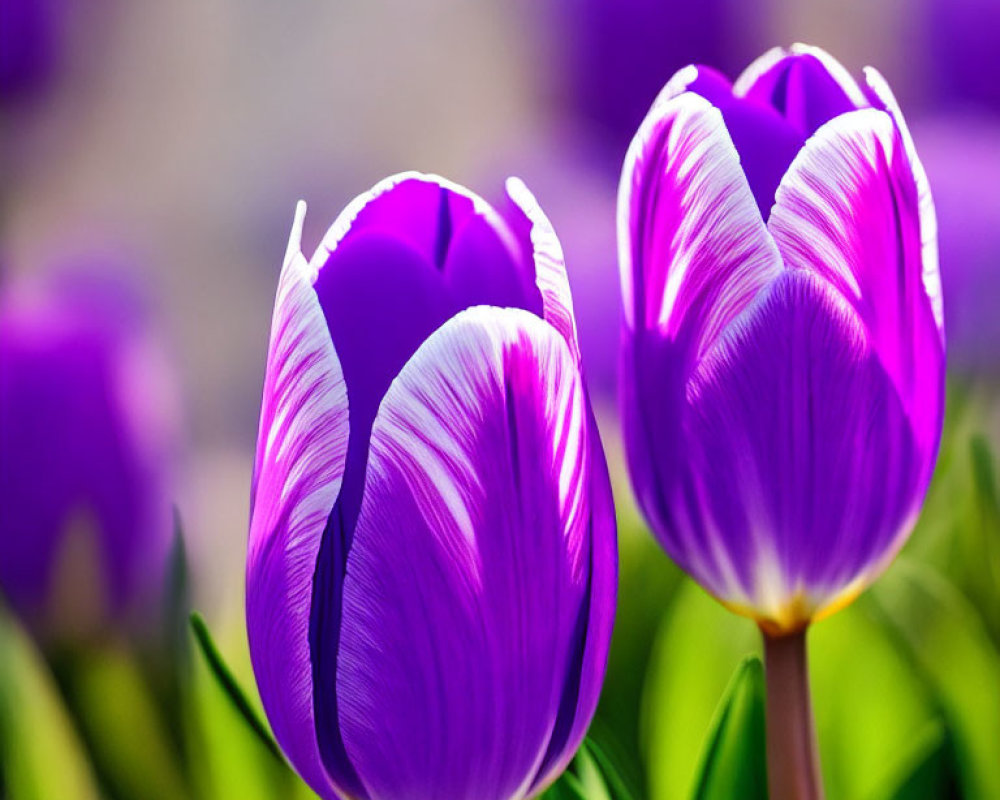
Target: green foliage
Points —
{"points": [[866, 700], [698, 647], [949, 647], [40, 753], [230, 687], [929, 772], [734, 763], [590, 776], [647, 581]]}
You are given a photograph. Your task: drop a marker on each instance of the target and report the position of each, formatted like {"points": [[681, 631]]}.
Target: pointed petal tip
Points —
{"points": [[550, 265], [294, 247]]}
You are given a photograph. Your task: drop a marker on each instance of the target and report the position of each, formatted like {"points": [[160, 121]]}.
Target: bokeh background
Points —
{"points": [[168, 142]]}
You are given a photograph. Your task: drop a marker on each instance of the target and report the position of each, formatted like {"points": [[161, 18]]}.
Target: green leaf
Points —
{"points": [[41, 756], [867, 696], [224, 677], [613, 779], [566, 788], [929, 770], [121, 724], [867, 699], [984, 533], [947, 643], [647, 581], [734, 763], [177, 599], [590, 777], [698, 647]]}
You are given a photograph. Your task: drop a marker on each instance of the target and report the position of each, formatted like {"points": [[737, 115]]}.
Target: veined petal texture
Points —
{"points": [[471, 565], [432, 566], [301, 453], [782, 364]]}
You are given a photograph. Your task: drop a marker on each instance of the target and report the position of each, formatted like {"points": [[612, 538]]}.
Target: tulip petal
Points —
{"points": [[800, 460], [469, 564], [593, 635], [486, 266], [765, 141], [550, 265], [301, 452], [449, 227], [408, 207], [881, 96], [849, 211], [805, 84], [693, 248]]}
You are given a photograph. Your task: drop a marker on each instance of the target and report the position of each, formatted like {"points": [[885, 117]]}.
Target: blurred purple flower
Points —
{"points": [[88, 433], [28, 45], [783, 359], [963, 44], [618, 53], [432, 564], [962, 157]]}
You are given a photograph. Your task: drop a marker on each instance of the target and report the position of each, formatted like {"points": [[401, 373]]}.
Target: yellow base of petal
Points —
{"points": [[798, 611]]}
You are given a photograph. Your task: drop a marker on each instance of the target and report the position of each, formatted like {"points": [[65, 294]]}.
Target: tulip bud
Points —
{"points": [[783, 356], [431, 568]]}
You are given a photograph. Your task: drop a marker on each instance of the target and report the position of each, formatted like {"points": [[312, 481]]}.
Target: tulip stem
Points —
{"points": [[792, 758]]}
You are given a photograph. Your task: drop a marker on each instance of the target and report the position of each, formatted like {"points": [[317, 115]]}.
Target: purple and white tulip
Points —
{"points": [[88, 441], [783, 352], [432, 567]]}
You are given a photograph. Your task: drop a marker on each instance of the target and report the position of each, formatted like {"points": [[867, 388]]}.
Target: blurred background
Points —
{"points": [[167, 143]]}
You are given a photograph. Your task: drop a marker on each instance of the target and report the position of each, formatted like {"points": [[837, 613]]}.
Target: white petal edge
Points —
{"points": [[550, 266], [931, 271], [836, 70], [737, 217], [294, 407], [342, 224]]}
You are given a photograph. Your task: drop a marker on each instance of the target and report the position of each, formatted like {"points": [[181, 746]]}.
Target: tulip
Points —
{"points": [[613, 54], [431, 568], [29, 33], [88, 423], [783, 347], [961, 43]]}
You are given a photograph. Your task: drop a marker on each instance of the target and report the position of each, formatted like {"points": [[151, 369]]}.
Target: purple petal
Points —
{"points": [[765, 141], [881, 96], [400, 261], [420, 210], [381, 300], [486, 266], [593, 635], [301, 453], [806, 85], [549, 264], [693, 248], [849, 210], [801, 475], [469, 565]]}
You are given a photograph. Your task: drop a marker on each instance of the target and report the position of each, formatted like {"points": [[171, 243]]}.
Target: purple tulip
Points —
{"points": [[28, 45], [614, 54], [87, 435], [961, 39], [783, 356], [431, 570]]}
